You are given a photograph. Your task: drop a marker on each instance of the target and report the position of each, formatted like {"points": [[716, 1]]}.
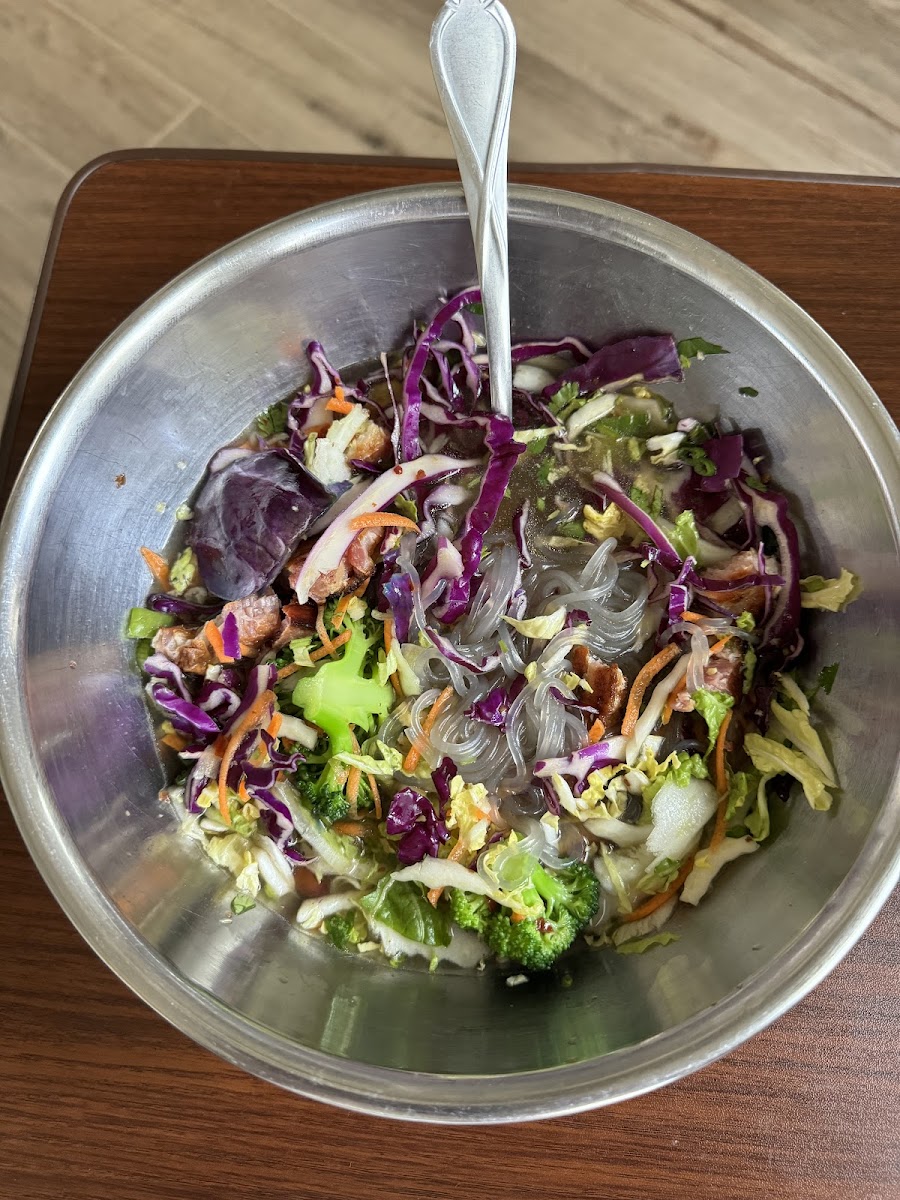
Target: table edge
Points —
{"points": [[151, 154]]}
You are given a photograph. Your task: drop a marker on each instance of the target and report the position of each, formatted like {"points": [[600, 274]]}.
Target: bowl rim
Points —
{"points": [[362, 1087]]}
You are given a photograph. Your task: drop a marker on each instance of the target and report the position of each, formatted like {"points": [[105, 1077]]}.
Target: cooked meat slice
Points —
{"points": [[258, 620], [354, 568], [371, 445], [186, 648], [299, 621], [750, 599], [609, 687], [723, 674]]}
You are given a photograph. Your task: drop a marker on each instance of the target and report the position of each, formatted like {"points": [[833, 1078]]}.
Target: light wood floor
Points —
{"points": [[807, 85]]}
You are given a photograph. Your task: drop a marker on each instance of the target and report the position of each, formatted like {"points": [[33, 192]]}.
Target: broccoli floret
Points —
{"points": [[569, 898], [339, 693], [319, 791], [536, 943], [469, 911], [574, 889], [344, 929]]}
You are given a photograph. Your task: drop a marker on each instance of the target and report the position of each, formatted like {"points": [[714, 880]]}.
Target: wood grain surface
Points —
{"points": [[100, 1098], [766, 84]]}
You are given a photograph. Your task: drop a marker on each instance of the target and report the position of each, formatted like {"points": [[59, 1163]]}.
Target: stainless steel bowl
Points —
{"points": [[186, 373]]}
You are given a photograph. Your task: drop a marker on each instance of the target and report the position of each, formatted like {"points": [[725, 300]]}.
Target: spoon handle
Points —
{"points": [[473, 56]]}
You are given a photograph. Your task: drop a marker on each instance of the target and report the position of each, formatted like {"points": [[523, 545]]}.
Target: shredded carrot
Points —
{"points": [[333, 644], [354, 777], [339, 405], [458, 854], [340, 610], [721, 777], [655, 902], [415, 751], [284, 672], [249, 720], [243, 793], [596, 731], [376, 795], [720, 645], [516, 917], [175, 740], [646, 673], [388, 642], [379, 520], [691, 616], [274, 725], [326, 641], [214, 637], [718, 833], [349, 828], [159, 568]]}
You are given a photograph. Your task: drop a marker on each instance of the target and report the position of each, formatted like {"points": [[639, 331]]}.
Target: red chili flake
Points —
{"points": [[420, 474], [398, 470], [119, 481]]}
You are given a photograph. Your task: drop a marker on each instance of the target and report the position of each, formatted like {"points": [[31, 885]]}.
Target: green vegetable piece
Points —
{"points": [[746, 621], [143, 623], [682, 770], [184, 572], [242, 903], [662, 876], [273, 421], [538, 446], [749, 669], [712, 706], [569, 899], [142, 651], [404, 907], [748, 391], [571, 529], [320, 793], [742, 787], [338, 694], [564, 402], [406, 507], [825, 681], [469, 911], [697, 458], [833, 595], [684, 537], [696, 347], [477, 308], [344, 929], [640, 945]]}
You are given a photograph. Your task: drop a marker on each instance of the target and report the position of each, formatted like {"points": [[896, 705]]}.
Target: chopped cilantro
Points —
{"points": [[538, 446], [242, 903], [696, 347], [477, 308], [697, 458], [571, 529], [273, 421], [748, 391], [825, 681]]}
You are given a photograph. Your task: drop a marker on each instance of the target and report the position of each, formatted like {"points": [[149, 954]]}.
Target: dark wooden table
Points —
{"points": [[100, 1098]]}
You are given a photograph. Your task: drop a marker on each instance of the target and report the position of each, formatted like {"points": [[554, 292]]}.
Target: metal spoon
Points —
{"points": [[473, 56]]}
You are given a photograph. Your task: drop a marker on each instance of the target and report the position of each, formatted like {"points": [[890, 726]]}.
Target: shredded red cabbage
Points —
{"points": [[412, 394], [651, 358], [413, 815], [503, 452]]}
